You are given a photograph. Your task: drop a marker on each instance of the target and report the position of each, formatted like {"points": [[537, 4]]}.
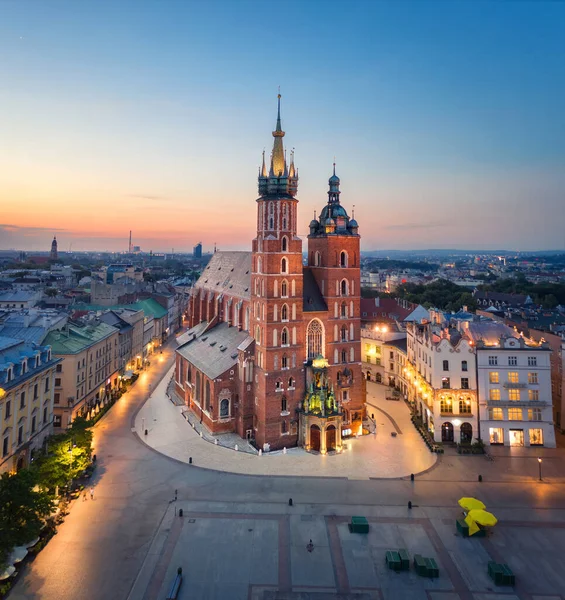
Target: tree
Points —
{"points": [[23, 508], [68, 456], [51, 292]]}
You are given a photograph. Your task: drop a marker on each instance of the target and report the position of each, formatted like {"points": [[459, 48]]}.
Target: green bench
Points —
{"points": [[425, 567], [463, 529], [392, 560], [404, 560], [397, 561], [359, 525], [501, 574], [433, 570]]}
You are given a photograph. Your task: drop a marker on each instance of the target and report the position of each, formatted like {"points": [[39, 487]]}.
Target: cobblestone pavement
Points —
{"points": [[368, 456], [247, 542]]}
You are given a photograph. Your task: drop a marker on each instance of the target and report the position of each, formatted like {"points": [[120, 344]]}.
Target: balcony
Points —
{"points": [[513, 386], [517, 403]]}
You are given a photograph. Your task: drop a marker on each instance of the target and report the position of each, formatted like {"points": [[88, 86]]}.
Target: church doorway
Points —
{"points": [[368, 375], [330, 437], [447, 432], [315, 438]]}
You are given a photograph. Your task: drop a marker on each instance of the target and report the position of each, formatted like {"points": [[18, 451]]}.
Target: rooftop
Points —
{"points": [[215, 351]]}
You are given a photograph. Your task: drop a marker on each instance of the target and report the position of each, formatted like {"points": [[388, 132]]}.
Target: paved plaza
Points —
{"points": [[239, 538], [252, 551], [374, 455]]}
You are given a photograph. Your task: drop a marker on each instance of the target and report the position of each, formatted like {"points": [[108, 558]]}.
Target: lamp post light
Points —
{"points": [[539, 465]]}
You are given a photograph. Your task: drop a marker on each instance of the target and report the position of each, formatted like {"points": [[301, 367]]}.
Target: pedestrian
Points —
{"points": [[92, 493], [84, 496]]}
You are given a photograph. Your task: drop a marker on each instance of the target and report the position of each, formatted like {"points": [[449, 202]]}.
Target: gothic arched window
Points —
{"points": [[284, 289], [284, 363], [284, 312], [284, 266], [344, 356], [318, 259], [207, 396], [315, 338], [224, 408], [283, 404], [344, 287], [284, 337], [343, 309], [284, 245], [343, 259], [291, 383], [344, 333]]}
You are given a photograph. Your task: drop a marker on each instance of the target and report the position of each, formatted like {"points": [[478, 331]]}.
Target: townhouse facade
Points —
{"points": [[27, 376]]}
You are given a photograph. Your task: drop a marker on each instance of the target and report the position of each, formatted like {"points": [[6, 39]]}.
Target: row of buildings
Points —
{"points": [[56, 365], [466, 377]]}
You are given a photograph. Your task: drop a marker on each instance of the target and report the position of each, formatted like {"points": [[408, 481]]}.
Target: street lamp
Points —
{"points": [[539, 464]]}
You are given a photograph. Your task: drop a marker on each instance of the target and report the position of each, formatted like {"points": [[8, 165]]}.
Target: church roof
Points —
{"points": [[216, 351], [229, 272], [313, 301]]}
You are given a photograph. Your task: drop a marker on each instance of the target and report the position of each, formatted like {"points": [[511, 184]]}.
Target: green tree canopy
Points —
{"points": [[23, 507]]}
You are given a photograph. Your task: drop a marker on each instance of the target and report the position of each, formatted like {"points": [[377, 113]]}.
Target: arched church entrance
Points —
{"points": [[315, 438], [330, 438]]}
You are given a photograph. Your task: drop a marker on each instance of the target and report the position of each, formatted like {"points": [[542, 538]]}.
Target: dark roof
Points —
{"points": [[215, 351], [227, 272], [400, 344], [510, 299], [313, 301]]}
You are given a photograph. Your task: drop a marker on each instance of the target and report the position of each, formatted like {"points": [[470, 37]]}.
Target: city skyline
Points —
{"points": [[445, 121]]}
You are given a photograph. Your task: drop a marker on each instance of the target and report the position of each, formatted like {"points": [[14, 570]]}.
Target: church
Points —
{"points": [[273, 349]]}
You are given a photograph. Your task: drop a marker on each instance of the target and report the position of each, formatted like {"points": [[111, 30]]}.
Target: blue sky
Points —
{"points": [[446, 119]]}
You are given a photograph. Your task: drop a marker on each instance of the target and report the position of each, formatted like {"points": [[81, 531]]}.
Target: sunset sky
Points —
{"points": [[446, 120]]}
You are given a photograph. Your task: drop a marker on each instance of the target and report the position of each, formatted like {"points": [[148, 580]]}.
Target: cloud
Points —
{"points": [[27, 231], [424, 225], [147, 197]]}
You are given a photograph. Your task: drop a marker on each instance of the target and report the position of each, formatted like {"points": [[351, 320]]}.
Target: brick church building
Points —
{"points": [[273, 348]]}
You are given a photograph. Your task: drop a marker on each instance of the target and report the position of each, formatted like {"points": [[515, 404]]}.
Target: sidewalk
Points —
{"points": [[372, 456]]}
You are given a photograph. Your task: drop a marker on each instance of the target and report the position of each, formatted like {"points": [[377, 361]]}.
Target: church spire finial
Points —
{"points": [[278, 160]]}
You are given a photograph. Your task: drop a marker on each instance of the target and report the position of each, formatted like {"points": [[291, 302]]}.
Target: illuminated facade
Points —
{"points": [[442, 385], [514, 375], [281, 360]]}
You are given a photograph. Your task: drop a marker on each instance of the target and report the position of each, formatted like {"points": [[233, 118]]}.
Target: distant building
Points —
{"points": [[500, 300], [19, 299], [197, 252], [53, 254]]}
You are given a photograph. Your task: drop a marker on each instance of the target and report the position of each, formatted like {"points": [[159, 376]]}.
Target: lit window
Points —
{"points": [[533, 378], [514, 395], [494, 394], [536, 437], [496, 435], [514, 414], [534, 414], [533, 395], [445, 384], [446, 405], [495, 414], [493, 377], [513, 377]]}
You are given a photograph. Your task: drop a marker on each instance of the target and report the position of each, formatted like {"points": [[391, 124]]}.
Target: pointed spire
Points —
{"points": [[279, 128], [263, 167], [278, 161], [291, 171]]}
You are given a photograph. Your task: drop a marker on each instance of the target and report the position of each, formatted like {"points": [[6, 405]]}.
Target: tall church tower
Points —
{"points": [[276, 301], [334, 261], [53, 254]]}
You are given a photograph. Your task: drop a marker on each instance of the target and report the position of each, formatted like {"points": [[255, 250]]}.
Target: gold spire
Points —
{"points": [[278, 163], [291, 171], [263, 167]]}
